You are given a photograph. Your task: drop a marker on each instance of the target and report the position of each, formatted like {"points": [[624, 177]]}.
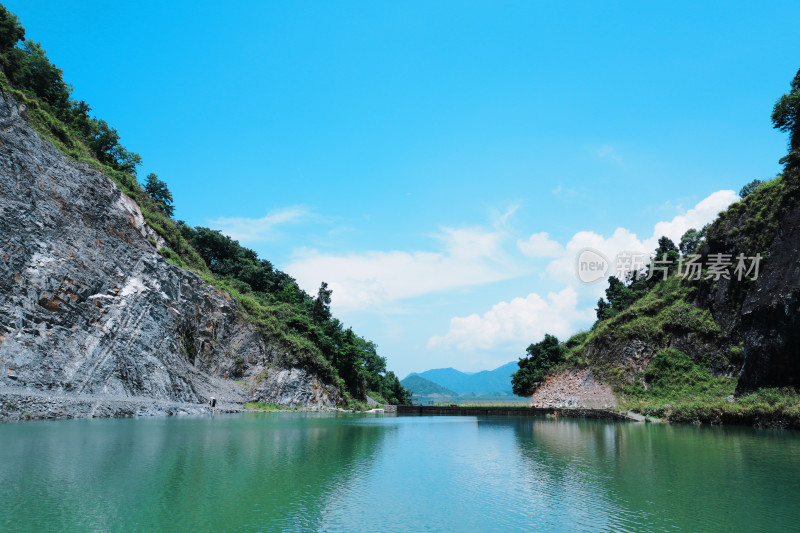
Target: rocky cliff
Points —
{"points": [[763, 314], [93, 321], [689, 343]]}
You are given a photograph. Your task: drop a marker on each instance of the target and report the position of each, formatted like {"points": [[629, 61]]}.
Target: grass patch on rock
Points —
{"points": [[262, 406]]}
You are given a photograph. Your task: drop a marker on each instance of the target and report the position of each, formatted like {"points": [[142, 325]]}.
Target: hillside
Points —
{"points": [[419, 386], [496, 382], [109, 307], [713, 347], [709, 350]]}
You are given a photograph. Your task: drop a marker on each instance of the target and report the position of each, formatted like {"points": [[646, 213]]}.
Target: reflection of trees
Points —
{"points": [[654, 476], [558, 464], [198, 474], [297, 472]]}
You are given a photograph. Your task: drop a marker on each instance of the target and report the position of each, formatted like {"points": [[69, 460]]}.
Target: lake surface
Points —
{"points": [[351, 473]]}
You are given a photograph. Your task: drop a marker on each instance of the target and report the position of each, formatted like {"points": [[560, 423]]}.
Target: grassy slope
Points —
{"points": [[695, 384]]}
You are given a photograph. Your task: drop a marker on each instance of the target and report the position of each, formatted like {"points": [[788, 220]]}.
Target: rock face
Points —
{"points": [[771, 314], [88, 309], [294, 387], [573, 388], [763, 314], [756, 333]]}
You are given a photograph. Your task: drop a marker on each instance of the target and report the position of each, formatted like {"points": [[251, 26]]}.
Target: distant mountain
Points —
{"points": [[420, 386], [449, 378], [497, 381]]}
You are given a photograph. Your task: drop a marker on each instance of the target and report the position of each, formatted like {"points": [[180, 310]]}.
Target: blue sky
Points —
{"points": [[414, 155]]}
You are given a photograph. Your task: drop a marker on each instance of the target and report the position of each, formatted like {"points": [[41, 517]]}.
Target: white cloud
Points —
{"points": [[697, 217], [540, 245], [468, 257], [520, 320], [563, 268], [259, 229], [524, 320]]}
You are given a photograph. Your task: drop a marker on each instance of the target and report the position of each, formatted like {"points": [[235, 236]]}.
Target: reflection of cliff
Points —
{"points": [[269, 472], [654, 477]]}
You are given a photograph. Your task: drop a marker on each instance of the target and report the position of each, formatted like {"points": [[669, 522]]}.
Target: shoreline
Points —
{"points": [[31, 404]]}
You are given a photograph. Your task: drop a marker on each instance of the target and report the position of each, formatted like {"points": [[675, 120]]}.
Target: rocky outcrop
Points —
{"points": [[293, 387], [746, 328], [771, 314], [573, 388], [89, 310], [763, 314]]}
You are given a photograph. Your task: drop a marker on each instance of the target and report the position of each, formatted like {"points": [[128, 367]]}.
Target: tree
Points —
{"points": [[690, 241], [533, 368], [667, 255], [785, 118], [11, 31], [604, 310], [749, 188], [393, 391], [350, 365], [321, 312], [374, 364], [126, 161], [29, 68], [158, 191], [104, 142], [666, 247]]}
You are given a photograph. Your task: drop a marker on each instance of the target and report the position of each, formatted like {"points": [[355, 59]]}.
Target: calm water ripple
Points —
{"points": [[309, 472]]}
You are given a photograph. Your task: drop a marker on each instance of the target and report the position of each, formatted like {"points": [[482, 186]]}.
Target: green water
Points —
{"points": [[306, 472]]}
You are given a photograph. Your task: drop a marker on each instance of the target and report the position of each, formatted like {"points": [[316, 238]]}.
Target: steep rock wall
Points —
{"points": [[771, 314], [87, 306]]}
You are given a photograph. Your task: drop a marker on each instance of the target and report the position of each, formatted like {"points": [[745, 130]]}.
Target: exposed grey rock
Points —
{"points": [[30, 404], [89, 309], [771, 314], [294, 387]]}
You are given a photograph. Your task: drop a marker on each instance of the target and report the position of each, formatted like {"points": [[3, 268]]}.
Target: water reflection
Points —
{"points": [[305, 472], [262, 472], [638, 477]]}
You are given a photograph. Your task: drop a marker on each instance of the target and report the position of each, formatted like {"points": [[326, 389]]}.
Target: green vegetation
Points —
{"points": [[158, 191], [691, 240], [632, 345], [302, 327], [776, 406], [27, 67], [754, 221], [533, 369], [311, 337], [261, 406], [785, 116], [671, 378], [749, 188]]}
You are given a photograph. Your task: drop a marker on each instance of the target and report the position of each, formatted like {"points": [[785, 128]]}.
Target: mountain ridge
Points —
{"points": [[496, 381]]}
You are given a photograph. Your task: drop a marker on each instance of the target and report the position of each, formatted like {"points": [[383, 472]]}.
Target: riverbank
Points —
{"points": [[685, 396], [766, 408], [16, 404]]}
